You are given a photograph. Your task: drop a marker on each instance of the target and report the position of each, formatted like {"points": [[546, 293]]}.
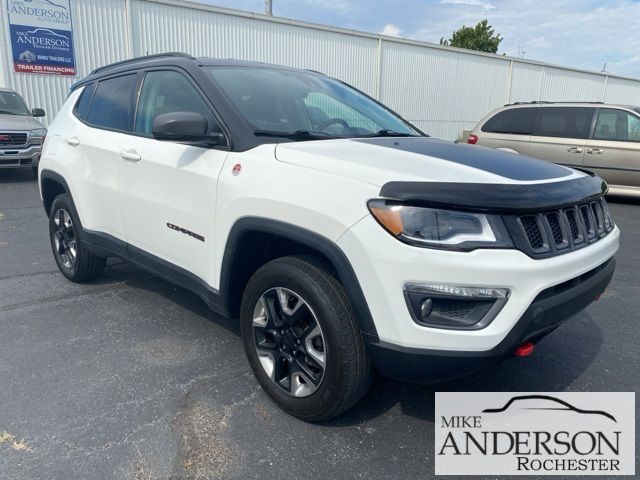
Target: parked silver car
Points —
{"points": [[604, 138], [21, 135]]}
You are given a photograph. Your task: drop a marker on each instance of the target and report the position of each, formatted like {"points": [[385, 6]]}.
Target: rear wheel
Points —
{"points": [[302, 339], [73, 259]]}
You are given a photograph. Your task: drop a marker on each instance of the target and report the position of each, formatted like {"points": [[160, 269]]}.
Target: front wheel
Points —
{"points": [[302, 339]]}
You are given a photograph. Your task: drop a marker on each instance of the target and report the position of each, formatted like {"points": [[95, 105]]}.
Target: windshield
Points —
{"points": [[301, 105], [12, 104]]}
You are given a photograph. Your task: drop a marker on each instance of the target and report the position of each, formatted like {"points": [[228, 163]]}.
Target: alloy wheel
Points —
{"points": [[289, 342], [65, 241]]}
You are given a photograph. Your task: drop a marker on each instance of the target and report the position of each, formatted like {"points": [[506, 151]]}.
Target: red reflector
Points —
{"points": [[524, 350], [473, 139]]}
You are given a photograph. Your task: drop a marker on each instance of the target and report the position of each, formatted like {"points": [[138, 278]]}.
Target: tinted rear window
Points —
{"points": [[516, 121], [567, 122], [113, 102], [82, 105]]}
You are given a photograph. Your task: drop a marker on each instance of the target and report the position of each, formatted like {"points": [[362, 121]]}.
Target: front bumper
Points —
{"points": [[383, 265], [11, 157], [549, 309]]}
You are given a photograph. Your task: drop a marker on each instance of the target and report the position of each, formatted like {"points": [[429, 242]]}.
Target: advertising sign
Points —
{"points": [[41, 36], [551, 433]]}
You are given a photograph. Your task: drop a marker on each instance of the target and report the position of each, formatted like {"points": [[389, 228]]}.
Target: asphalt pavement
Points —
{"points": [[131, 377]]}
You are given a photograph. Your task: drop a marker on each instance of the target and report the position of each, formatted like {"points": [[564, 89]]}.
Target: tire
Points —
{"points": [[72, 257], [346, 372]]}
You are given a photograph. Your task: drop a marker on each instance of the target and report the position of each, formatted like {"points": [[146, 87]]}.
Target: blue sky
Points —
{"points": [[583, 34]]}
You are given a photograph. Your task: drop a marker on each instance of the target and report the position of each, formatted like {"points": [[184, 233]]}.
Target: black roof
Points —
{"points": [[171, 58]]}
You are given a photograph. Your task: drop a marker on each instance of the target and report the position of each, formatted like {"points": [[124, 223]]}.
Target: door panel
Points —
{"points": [[168, 199], [565, 151], [560, 134], [168, 189], [108, 112], [97, 190], [614, 152]]}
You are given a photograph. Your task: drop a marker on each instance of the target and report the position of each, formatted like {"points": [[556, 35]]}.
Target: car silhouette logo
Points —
{"points": [[46, 31], [49, 2], [556, 404]]}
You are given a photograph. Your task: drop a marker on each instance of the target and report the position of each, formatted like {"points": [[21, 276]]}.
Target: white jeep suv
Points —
{"points": [[343, 238]]}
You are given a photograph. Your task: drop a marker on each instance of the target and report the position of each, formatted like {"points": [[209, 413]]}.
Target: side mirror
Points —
{"points": [[184, 127], [38, 112]]}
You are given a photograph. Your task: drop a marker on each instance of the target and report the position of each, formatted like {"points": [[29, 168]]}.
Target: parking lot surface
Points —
{"points": [[130, 377]]}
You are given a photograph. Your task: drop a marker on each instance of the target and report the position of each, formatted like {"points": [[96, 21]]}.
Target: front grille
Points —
{"points": [[571, 214], [533, 230], [12, 139], [559, 231]]}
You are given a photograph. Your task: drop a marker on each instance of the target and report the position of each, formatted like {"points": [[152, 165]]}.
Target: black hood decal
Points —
{"points": [[535, 197], [500, 163]]}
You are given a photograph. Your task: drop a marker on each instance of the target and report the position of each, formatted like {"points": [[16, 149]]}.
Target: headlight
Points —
{"points": [[38, 133], [438, 228]]}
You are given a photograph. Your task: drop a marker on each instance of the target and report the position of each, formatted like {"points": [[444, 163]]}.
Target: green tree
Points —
{"points": [[481, 38]]}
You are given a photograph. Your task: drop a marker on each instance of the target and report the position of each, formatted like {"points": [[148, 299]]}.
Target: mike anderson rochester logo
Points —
{"points": [[487, 433]]}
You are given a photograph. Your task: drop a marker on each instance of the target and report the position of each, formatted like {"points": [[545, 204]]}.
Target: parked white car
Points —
{"points": [[343, 238]]}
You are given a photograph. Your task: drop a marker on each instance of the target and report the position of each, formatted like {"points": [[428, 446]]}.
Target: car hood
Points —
{"points": [[419, 159], [18, 122]]}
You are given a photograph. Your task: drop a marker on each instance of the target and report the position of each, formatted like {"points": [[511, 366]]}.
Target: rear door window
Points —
{"points": [[617, 125], [82, 105], [113, 103], [515, 121], [565, 122]]}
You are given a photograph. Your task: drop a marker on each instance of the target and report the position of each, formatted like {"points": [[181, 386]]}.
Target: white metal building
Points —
{"points": [[442, 90]]}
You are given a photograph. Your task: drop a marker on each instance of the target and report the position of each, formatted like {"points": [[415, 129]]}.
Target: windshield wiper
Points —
{"points": [[297, 135], [390, 133], [8, 112]]}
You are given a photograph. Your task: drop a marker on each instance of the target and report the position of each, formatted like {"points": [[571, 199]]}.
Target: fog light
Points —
{"points": [[425, 309], [454, 307]]}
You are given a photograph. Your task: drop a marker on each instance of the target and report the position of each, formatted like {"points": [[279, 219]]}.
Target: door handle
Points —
{"points": [[596, 151], [73, 141], [574, 149], [130, 155]]}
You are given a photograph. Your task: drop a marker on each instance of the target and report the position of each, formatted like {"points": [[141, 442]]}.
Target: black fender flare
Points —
{"points": [[47, 174], [309, 239]]}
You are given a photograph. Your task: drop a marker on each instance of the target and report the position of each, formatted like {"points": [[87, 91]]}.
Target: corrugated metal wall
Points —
{"points": [[442, 90]]}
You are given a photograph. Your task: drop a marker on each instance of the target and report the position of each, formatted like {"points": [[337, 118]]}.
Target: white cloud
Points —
{"points": [[391, 30], [470, 3]]}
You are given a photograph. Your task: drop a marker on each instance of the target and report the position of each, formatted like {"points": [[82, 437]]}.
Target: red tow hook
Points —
{"points": [[524, 350]]}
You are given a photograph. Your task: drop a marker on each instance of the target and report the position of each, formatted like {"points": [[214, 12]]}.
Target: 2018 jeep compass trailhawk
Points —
{"points": [[342, 237]]}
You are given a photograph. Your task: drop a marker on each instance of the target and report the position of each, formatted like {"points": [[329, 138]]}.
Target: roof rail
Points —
{"points": [[146, 57], [545, 102]]}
